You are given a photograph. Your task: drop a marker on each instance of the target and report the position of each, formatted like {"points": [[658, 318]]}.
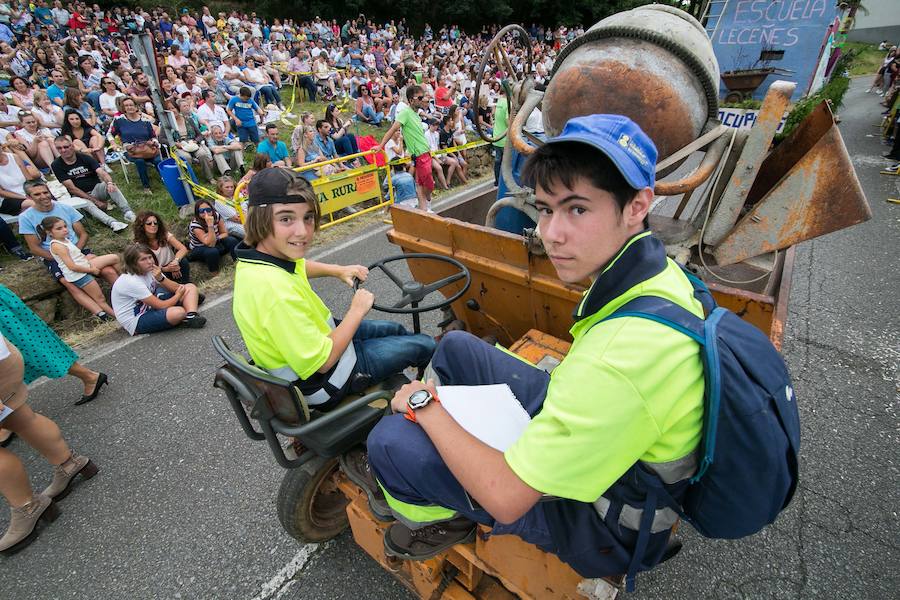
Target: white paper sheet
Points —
{"points": [[489, 412]]}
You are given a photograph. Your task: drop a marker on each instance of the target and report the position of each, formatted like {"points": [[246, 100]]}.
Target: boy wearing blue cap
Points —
{"points": [[628, 395]]}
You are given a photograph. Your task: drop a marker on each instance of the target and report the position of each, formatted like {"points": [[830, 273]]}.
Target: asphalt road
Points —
{"points": [[183, 506]]}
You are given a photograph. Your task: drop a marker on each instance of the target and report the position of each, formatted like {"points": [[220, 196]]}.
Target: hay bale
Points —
{"points": [[45, 309]]}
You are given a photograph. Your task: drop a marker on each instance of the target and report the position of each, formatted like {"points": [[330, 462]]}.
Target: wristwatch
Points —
{"points": [[418, 400]]}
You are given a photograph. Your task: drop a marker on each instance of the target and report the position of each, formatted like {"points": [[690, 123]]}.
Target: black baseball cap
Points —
{"points": [[277, 185]]}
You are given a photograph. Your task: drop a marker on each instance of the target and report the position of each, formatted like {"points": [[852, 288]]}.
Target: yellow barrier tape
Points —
{"points": [[406, 159], [358, 190]]}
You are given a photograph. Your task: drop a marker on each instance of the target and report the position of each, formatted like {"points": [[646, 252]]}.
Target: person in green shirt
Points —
{"points": [[501, 124], [409, 123], [628, 395], [287, 328]]}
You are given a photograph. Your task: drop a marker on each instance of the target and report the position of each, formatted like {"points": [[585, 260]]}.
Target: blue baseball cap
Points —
{"points": [[619, 138]]}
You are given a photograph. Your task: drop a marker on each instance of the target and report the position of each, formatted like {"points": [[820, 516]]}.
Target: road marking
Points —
{"points": [[111, 347], [284, 578]]}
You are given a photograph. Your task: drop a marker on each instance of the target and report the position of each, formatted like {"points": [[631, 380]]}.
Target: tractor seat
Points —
{"points": [[278, 407]]}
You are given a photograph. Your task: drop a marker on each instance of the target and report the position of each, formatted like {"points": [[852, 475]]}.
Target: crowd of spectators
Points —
{"points": [[887, 85], [75, 103]]}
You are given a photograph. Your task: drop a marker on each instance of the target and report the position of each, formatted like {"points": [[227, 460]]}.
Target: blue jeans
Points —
{"points": [[461, 359], [248, 132], [346, 144], [309, 84], [154, 319], [269, 94], [141, 165], [94, 99], [212, 255], [498, 160], [384, 348], [370, 114]]}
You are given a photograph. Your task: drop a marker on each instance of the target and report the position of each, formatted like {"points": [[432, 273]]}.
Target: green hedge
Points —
{"points": [[833, 91]]}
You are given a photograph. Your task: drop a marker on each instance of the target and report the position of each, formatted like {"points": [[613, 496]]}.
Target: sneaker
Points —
{"points": [[118, 226], [429, 541], [104, 316], [129, 216], [201, 298], [194, 322], [21, 254], [107, 169], [355, 464]]}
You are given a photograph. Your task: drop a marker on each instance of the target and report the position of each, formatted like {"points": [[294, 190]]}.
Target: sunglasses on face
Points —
{"points": [[205, 210], [154, 223]]}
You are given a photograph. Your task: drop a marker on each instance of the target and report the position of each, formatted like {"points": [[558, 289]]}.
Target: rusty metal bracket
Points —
{"points": [[729, 207], [805, 188]]}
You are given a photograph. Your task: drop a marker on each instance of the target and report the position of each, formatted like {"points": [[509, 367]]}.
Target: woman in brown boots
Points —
{"points": [[43, 435]]}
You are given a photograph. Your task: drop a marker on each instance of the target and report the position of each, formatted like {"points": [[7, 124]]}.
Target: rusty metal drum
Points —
{"points": [[654, 64]]}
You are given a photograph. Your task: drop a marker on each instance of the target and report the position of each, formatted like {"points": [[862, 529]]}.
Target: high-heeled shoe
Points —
{"points": [[102, 380], [23, 523], [64, 474]]}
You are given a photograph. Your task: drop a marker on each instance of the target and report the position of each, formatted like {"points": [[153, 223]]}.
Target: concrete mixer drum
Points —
{"points": [[654, 64]]}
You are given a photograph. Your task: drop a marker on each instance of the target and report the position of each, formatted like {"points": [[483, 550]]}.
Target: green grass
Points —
{"points": [[867, 58]]}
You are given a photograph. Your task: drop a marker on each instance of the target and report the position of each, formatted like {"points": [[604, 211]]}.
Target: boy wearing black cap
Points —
{"points": [[287, 328], [628, 395]]}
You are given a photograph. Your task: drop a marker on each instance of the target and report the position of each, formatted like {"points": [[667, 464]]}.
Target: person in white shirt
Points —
{"points": [[229, 74], [432, 136], [77, 268], [60, 16], [48, 114], [190, 84], [211, 114], [108, 98], [9, 114], [38, 141], [145, 301], [209, 22]]}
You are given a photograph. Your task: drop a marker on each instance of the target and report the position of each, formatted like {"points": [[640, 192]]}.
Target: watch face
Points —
{"points": [[419, 398]]}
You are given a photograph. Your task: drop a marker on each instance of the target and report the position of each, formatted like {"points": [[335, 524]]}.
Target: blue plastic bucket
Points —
{"points": [[168, 171]]}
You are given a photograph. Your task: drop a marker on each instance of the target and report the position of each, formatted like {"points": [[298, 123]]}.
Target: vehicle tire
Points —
{"points": [[310, 506]]}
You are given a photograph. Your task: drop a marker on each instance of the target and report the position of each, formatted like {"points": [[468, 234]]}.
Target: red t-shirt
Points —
{"points": [[442, 97]]}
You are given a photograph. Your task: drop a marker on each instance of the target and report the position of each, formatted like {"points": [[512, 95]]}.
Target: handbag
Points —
{"points": [[145, 150]]}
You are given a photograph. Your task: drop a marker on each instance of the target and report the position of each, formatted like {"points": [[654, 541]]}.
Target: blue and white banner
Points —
{"points": [[787, 34]]}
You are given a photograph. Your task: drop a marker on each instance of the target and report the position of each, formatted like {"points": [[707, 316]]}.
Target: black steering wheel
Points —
{"points": [[414, 291]]}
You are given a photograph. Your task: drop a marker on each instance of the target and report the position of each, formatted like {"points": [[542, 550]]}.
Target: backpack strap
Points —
{"points": [[662, 311], [665, 312], [701, 292]]}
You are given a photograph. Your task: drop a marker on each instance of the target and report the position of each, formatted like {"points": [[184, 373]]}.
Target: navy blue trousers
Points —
{"points": [[408, 465]]}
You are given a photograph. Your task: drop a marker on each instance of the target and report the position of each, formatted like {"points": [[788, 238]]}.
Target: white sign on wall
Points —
{"points": [[744, 118]]}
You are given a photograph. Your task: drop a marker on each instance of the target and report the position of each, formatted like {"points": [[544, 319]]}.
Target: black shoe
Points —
{"points": [[201, 298], [101, 381], [891, 156], [7, 437], [429, 541], [104, 316], [355, 464], [21, 253], [195, 322]]}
